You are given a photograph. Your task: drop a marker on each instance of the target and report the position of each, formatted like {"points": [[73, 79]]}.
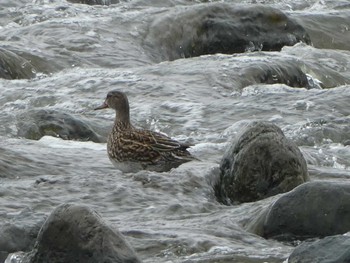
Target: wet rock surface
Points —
{"points": [[261, 162], [18, 235], [13, 66], [276, 72], [75, 233], [314, 209], [220, 28], [333, 249], [35, 124]]}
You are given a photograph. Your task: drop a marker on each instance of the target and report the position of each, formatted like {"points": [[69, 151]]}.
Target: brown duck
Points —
{"points": [[131, 149]]}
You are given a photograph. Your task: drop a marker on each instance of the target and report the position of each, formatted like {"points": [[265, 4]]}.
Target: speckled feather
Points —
{"points": [[144, 146]]}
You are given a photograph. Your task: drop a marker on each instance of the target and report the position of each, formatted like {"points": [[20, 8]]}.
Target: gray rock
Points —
{"points": [[19, 234], [333, 249], [221, 28], [314, 209], [3, 256], [13, 66], [74, 233], [35, 124], [275, 72], [261, 162], [17, 238]]}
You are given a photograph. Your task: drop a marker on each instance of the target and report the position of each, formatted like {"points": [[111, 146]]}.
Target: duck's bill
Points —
{"points": [[103, 106]]}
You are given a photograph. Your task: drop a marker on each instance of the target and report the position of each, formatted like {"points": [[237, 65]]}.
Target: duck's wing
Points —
{"points": [[158, 141], [147, 147]]}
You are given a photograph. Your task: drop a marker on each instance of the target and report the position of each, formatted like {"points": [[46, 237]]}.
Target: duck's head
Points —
{"points": [[116, 100]]}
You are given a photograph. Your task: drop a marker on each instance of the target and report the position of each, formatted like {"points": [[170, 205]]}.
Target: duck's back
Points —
{"points": [[136, 149]]}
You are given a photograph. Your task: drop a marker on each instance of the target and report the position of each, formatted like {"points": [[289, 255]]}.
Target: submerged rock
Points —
{"points": [[13, 66], [16, 165], [261, 162], [20, 232], [74, 233], [16, 238], [275, 71], [221, 28], [314, 209], [334, 249], [35, 124]]}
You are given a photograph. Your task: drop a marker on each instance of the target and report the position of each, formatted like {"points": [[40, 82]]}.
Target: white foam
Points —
{"points": [[67, 144]]}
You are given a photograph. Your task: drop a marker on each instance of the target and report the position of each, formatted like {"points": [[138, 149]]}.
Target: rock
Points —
{"points": [[3, 256], [13, 66], [314, 209], [16, 238], [35, 124], [261, 162], [74, 233], [221, 28], [275, 72], [18, 234], [333, 249]]}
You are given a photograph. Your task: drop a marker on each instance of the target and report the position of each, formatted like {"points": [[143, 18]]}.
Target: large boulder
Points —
{"points": [[261, 162], [334, 249], [35, 124], [221, 28], [313, 209], [74, 233]]}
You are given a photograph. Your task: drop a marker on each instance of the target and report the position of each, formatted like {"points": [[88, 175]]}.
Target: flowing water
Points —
{"points": [[87, 50]]}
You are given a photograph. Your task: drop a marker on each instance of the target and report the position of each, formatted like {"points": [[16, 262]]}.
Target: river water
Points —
{"points": [[83, 51]]}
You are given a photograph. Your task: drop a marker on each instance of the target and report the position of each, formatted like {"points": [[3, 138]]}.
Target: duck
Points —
{"points": [[133, 149]]}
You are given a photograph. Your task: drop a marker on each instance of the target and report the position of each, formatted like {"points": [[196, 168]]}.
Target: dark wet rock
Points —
{"points": [[333, 249], [261, 162], [314, 209], [3, 256], [13, 66], [16, 238], [75, 233], [42, 63], [19, 234], [275, 72], [35, 124], [95, 2], [221, 28]]}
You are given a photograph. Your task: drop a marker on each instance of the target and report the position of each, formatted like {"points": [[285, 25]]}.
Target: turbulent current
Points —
{"points": [[58, 60]]}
